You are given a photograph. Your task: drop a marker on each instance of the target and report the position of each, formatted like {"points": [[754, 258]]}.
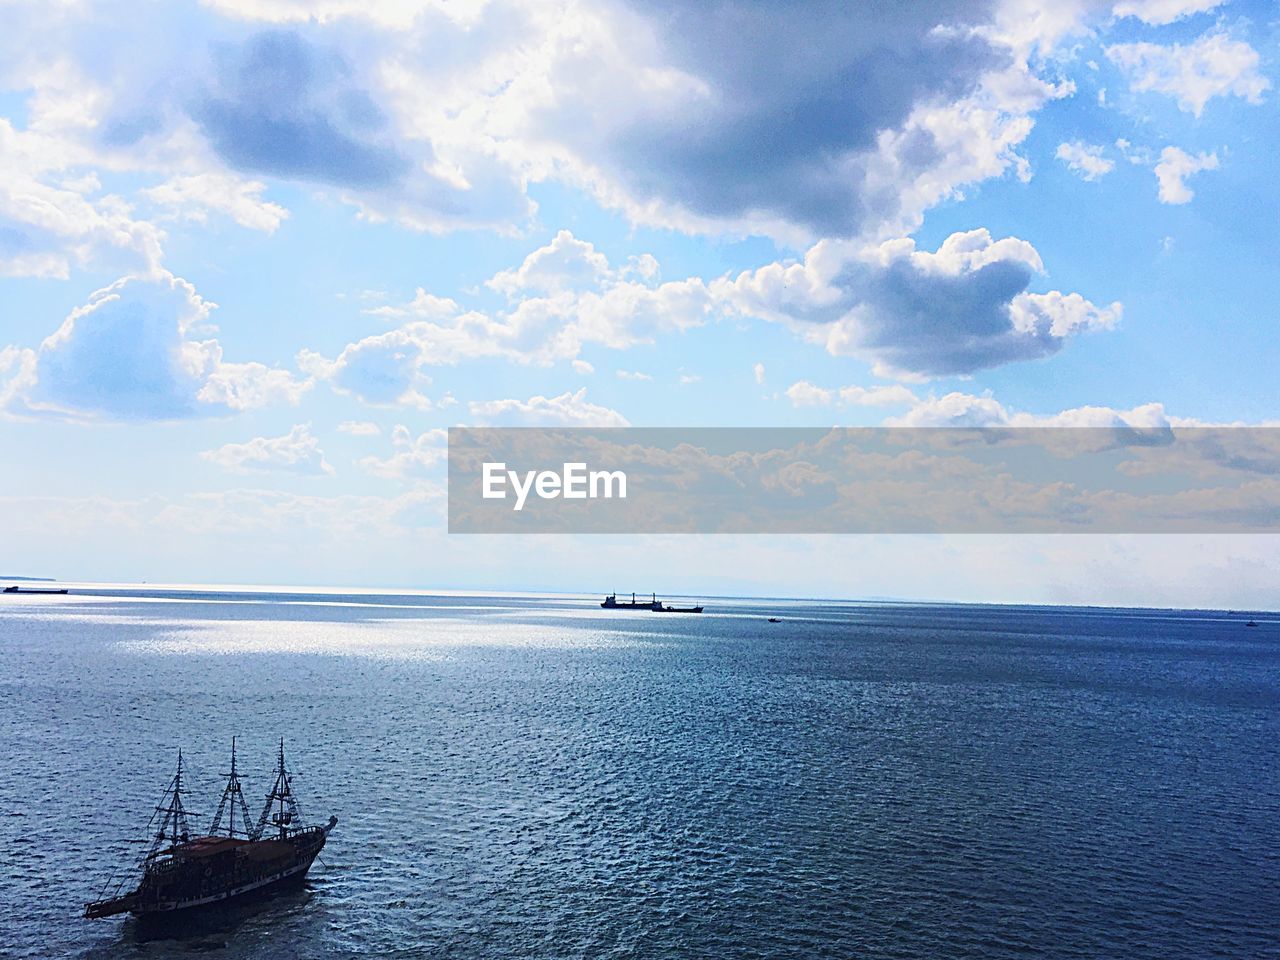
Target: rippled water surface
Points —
{"points": [[540, 778]]}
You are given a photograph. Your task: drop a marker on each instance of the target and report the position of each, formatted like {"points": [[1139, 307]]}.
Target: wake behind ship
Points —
{"points": [[184, 872]]}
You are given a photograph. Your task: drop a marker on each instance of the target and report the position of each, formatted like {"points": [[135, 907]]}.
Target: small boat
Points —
{"points": [[37, 590], [1252, 623], [184, 870], [774, 620]]}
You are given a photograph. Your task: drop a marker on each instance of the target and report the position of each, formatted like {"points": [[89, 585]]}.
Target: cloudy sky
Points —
{"points": [[256, 255]]}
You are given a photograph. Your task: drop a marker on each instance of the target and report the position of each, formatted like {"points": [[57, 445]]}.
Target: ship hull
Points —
{"points": [[258, 889], [237, 870]]}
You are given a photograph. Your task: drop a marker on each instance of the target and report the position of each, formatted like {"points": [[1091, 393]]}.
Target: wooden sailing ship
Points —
{"points": [[185, 871]]}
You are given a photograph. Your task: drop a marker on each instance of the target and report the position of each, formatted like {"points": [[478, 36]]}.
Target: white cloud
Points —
{"points": [[802, 393], [439, 116], [551, 323], [616, 101], [359, 428], [298, 451], [1084, 159], [568, 409], [582, 367], [967, 410], [633, 375], [1212, 66], [381, 370], [423, 306], [392, 14], [566, 263], [758, 370], [1161, 12], [248, 386], [17, 374], [1174, 167], [917, 313], [1061, 314], [50, 222], [134, 352], [415, 458], [192, 197]]}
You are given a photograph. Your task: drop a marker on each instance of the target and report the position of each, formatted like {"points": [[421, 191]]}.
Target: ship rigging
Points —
{"points": [[183, 872]]}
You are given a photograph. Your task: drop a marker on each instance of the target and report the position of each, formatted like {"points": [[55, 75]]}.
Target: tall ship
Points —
{"points": [[241, 860], [611, 602]]}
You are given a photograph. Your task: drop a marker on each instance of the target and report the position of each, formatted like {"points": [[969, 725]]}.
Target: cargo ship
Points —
{"points": [[44, 590], [183, 871], [611, 602], [653, 605]]}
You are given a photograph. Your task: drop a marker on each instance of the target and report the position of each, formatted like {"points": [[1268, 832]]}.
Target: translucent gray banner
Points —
{"points": [[865, 480]]}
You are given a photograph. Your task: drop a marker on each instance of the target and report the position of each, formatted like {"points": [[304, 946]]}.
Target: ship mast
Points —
{"points": [[283, 798], [232, 802], [173, 827]]}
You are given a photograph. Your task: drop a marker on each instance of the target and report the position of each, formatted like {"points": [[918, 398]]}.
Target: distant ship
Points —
{"points": [[653, 605], [16, 589], [182, 871]]}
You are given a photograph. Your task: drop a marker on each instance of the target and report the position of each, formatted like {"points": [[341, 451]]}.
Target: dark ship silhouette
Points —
{"points": [[611, 602], [182, 871]]}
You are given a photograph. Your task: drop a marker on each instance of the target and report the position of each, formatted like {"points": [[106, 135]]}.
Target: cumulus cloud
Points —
{"points": [[415, 458], [382, 370], [552, 322], [568, 409], [134, 352], [916, 313], [51, 222], [439, 115], [1193, 74], [1174, 167], [566, 263], [196, 105], [298, 451], [865, 115], [758, 371], [725, 139], [1084, 159], [282, 106]]}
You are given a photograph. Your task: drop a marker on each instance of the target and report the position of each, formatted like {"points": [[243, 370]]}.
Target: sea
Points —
{"points": [[535, 777]]}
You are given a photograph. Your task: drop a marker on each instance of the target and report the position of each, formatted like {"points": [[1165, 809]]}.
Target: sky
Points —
{"points": [[256, 258]]}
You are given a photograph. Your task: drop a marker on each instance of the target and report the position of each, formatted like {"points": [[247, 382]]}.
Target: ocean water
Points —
{"points": [[537, 778]]}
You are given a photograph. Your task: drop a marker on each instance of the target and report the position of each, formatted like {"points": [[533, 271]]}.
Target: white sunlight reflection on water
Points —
{"points": [[431, 639]]}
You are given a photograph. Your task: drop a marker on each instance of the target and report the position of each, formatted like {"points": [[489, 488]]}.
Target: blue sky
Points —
{"points": [[256, 257]]}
